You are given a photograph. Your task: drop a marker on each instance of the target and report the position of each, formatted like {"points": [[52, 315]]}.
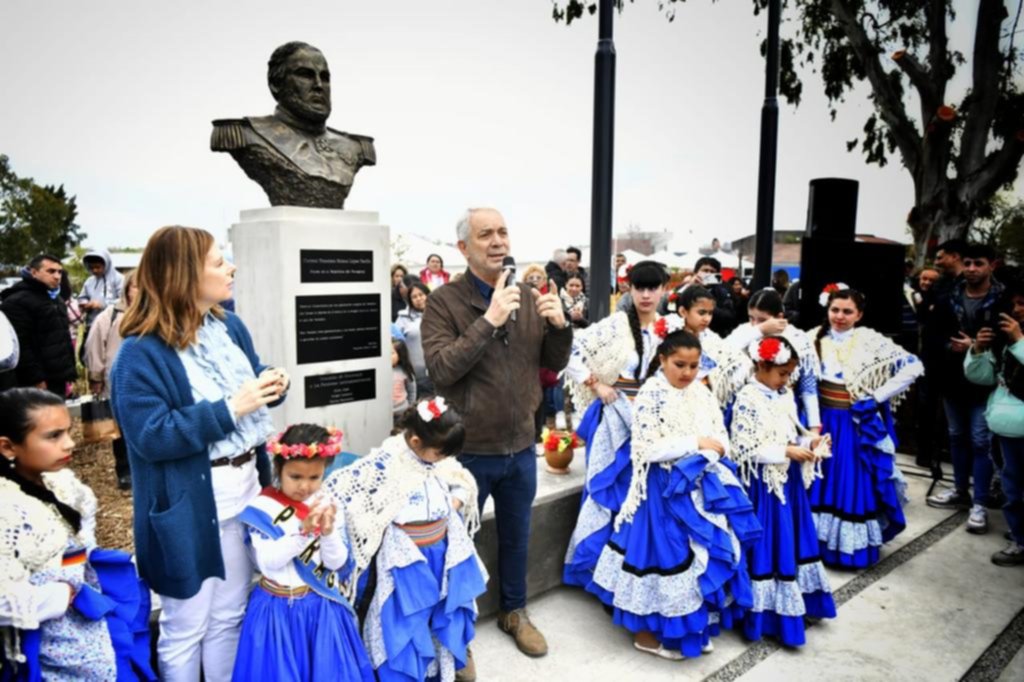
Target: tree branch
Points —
{"points": [[921, 79], [999, 168], [887, 98], [987, 70], [938, 56]]}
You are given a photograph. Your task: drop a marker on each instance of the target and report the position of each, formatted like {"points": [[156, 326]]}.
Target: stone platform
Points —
{"points": [[934, 608]]}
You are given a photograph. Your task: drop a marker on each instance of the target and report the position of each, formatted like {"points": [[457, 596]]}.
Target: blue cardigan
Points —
{"points": [[177, 535]]}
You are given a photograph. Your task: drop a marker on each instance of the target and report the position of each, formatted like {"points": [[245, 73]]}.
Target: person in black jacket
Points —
{"points": [[40, 319], [708, 274]]}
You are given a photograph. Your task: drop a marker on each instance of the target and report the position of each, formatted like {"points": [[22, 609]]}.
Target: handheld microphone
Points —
{"points": [[508, 264]]}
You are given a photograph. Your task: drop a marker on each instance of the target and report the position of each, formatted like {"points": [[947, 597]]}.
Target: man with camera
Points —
{"points": [[971, 306], [708, 274]]}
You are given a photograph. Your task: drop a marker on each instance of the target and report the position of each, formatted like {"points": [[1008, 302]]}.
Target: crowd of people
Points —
{"points": [[731, 455]]}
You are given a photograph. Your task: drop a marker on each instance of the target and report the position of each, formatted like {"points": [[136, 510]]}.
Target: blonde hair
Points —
{"points": [[532, 268], [169, 277]]}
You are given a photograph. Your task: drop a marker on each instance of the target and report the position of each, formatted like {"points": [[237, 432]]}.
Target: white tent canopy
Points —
{"points": [[669, 259], [412, 250]]}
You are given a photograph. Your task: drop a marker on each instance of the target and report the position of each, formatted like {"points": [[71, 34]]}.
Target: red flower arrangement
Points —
{"points": [[560, 440], [768, 348]]}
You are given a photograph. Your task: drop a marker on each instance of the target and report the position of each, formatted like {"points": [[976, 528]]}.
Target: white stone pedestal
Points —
{"points": [[304, 320]]}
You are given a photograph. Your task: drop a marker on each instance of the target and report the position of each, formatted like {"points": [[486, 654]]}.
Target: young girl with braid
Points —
{"points": [[68, 609], [609, 361], [778, 460], [858, 504], [675, 566]]}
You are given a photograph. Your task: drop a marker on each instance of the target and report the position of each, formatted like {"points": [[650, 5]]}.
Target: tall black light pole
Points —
{"points": [[604, 147], [769, 151]]}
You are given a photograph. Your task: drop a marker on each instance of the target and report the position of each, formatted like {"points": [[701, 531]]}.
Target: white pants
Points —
{"points": [[204, 629]]}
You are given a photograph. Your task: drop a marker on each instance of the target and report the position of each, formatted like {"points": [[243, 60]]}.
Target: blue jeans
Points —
{"points": [[512, 480], [554, 399], [1013, 485], [970, 444]]}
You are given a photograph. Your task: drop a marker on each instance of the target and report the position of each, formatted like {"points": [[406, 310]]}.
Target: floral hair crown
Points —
{"points": [[829, 290], [429, 410], [667, 325], [770, 349], [306, 450]]}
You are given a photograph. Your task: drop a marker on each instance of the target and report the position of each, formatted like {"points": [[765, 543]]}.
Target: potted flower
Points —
{"points": [[558, 449]]}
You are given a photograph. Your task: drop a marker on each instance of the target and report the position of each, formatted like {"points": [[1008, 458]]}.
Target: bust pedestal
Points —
{"points": [[313, 287]]}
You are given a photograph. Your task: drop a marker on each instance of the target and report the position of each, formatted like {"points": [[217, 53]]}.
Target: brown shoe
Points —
{"points": [[528, 638], [468, 672]]}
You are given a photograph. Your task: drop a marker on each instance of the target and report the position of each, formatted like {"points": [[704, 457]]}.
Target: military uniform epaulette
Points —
{"points": [[365, 141], [228, 134]]}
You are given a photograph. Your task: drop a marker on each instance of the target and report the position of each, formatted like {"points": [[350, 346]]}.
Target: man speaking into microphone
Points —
{"points": [[485, 338]]}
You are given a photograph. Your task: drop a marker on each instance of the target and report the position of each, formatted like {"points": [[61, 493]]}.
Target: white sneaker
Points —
{"points": [[977, 522], [660, 652], [708, 648], [560, 420]]}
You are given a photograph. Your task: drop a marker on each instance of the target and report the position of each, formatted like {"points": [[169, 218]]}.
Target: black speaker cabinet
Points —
{"points": [[832, 208], [876, 270]]}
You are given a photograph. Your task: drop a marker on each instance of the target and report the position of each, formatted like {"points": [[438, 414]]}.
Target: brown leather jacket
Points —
{"points": [[491, 378]]}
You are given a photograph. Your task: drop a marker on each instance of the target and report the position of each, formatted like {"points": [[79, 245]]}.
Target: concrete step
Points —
{"points": [[933, 589]]}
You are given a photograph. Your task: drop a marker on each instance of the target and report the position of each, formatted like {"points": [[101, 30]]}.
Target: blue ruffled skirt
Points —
{"points": [[650, 574], [415, 614], [299, 640], [857, 505], [607, 489], [120, 606], [789, 581]]}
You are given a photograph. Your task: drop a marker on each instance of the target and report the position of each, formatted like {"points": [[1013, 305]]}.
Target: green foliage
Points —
{"points": [[1003, 227], [34, 219]]}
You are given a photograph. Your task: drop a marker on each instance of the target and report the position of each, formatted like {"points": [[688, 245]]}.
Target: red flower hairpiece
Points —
{"points": [[306, 450]]}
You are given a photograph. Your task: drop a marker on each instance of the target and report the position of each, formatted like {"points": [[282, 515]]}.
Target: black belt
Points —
{"points": [[241, 460]]}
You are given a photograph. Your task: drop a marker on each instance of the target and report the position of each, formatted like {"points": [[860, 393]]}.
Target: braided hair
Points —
{"points": [[647, 274], [17, 420], [844, 294], [672, 343]]}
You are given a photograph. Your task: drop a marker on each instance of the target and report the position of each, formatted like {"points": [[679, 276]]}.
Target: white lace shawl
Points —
{"points": [[873, 360], [760, 421], [604, 348], [732, 367], [662, 415], [374, 490], [33, 539]]}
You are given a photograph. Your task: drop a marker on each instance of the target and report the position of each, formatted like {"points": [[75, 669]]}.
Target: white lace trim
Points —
{"points": [[611, 433], [34, 537], [604, 348], [733, 368], [759, 422], [669, 596], [870, 361], [663, 413], [374, 490], [847, 537], [786, 597]]}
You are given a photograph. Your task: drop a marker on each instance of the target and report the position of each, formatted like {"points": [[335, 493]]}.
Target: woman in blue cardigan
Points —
{"points": [[191, 398]]}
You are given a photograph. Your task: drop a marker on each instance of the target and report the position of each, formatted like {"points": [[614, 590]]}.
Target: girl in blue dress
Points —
{"points": [[676, 563], [858, 505], [609, 361], [411, 511], [69, 610], [777, 458], [299, 625]]}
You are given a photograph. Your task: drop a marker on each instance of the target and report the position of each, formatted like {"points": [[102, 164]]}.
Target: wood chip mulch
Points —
{"points": [[94, 464]]}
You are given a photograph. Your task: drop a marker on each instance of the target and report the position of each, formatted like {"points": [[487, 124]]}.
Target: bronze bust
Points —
{"points": [[292, 154]]}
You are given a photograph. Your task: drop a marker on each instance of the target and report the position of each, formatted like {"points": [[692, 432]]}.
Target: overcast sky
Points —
{"points": [[471, 102]]}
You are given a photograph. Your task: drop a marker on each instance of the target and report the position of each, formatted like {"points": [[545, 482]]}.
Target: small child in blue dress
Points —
{"points": [[299, 625], [411, 510], [779, 459]]}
